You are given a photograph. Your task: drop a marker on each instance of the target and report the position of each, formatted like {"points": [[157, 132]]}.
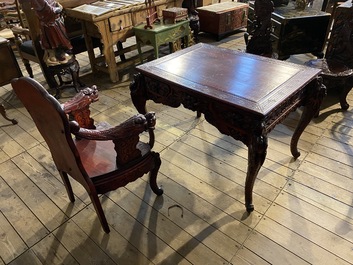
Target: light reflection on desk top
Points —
{"points": [[234, 77]]}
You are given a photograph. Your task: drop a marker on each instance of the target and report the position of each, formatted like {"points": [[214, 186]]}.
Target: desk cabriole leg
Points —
{"points": [[257, 150], [137, 92], [316, 91]]}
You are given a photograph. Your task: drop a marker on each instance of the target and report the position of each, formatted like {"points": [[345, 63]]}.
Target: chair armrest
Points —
{"points": [[125, 136], [21, 35], [131, 127], [78, 107]]}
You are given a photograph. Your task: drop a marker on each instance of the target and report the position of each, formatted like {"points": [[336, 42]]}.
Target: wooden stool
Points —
{"points": [[72, 68], [160, 34]]}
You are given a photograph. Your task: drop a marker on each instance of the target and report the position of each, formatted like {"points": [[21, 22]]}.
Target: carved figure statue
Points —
{"points": [[259, 42], [54, 39]]}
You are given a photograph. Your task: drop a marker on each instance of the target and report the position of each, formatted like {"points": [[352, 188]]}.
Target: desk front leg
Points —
{"points": [[138, 93], [257, 150], [315, 92]]}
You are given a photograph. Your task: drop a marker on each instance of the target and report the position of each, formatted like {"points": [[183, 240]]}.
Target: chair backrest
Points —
{"points": [[32, 22], [33, 25], [340, 43], [52, 122]]}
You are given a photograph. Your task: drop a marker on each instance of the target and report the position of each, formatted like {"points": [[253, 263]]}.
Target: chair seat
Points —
{"points": [[330, 68], [27, 47], [97, 158], [335, 75]]}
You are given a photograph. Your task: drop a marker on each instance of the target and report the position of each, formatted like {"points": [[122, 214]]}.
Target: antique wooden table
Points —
{"points": [[160, 34], [243, 95]]}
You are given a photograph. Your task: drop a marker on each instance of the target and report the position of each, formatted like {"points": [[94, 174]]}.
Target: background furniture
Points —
{"points": [[258, 35], [112, 24], [71, 68], [102, 159], [245, 98], [12, 70], [295, 31], [160, 34], [10, 14], [337, 66], [223, 18], [29, 47]]}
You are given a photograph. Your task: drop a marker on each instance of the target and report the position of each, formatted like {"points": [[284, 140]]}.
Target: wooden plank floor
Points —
{"points": [[303, 208]]}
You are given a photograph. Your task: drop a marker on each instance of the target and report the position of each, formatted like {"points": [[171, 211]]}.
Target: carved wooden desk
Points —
{"points": [[243, 95], [112, 22], [160, 34]]}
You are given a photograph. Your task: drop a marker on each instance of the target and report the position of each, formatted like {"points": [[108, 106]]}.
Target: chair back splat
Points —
{"points": [[101, 157], [337, 66]]}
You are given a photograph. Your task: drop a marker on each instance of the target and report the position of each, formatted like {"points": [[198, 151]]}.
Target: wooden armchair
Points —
{"points": [[337, 65], [101, 158]]}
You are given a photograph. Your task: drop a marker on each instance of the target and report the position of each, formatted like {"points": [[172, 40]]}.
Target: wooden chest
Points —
{"points": [[223, 18], [174, 14]]}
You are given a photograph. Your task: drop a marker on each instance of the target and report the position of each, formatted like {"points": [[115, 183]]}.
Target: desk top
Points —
{"points": [[250, 82], [92, 10]]}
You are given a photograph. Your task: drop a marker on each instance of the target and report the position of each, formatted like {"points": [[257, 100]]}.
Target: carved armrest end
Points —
{"points": [[78, 106]]}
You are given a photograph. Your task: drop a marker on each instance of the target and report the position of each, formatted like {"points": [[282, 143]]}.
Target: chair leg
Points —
{"points": [[153, 175], [120, 48], [99, 210], [343, 96], [28, 67], [68, 186]]}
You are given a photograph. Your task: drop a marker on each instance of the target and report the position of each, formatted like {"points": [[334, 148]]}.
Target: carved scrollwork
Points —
{"points": [[78, 107], [260, 37], [161, 93], [126, 150], [191, 102], [316, 91]]}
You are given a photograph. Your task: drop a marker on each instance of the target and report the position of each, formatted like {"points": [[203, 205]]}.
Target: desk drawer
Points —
{"points": [[120, 22]]}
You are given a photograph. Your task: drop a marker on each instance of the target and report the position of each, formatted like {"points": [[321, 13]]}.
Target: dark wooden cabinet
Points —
{"points": [[295, 31], [8, 62], [223, 18]]}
